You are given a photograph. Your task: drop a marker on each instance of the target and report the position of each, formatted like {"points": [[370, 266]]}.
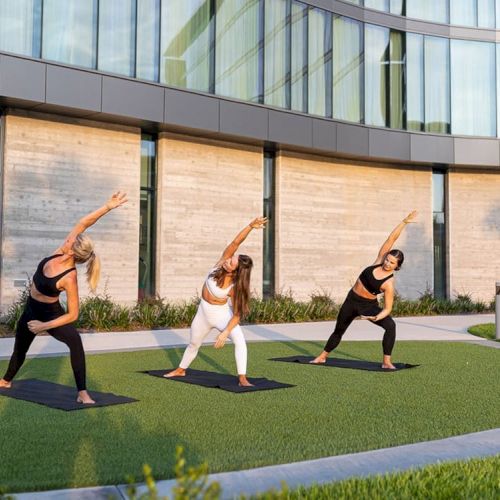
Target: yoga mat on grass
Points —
{"points": [[58, 396], [220, 381], [354, 364]]}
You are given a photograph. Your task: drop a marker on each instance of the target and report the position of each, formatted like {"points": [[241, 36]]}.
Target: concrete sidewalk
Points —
{"points": [[440, 328]]}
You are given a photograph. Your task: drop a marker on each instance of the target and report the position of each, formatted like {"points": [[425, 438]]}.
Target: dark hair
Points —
{"points": [[241, 281], [399, 255]]}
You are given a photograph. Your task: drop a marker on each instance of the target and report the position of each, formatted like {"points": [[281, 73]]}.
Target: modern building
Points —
{"points": [[334, 118]]}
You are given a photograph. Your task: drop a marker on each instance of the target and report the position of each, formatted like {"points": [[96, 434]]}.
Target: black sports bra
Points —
{"points": [[371, 283], [46, 285]]}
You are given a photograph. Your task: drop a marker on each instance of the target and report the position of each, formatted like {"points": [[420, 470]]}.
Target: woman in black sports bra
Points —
{"points": [[362, 298], [43, 312]]}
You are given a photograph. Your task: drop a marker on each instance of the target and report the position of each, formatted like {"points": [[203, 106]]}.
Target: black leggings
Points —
{"points": [[66, 334], [355, 306]]}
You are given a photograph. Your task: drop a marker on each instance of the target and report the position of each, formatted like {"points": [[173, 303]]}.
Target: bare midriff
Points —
{"points": [[360, 290], [41, 297], [208, 297]]}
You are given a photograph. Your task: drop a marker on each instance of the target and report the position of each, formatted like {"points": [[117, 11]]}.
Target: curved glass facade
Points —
{"points": [[281, 53]]}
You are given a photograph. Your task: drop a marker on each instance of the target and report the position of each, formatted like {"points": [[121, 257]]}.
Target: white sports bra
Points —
{"points": [[214, 289]]}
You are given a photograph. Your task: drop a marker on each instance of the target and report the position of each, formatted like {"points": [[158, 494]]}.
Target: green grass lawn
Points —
{"points": [[486, 330], [472, 479], [331, 411]]}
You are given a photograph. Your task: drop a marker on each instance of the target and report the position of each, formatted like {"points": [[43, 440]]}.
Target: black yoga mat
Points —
{"points": [[355, 364], [58, 396], [220, 381]]}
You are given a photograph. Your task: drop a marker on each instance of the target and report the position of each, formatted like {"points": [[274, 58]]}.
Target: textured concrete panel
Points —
{"points": [[324, 135], [352, 139], [191, 110], [73, 88], [208, 191], [243, 120], [289, 128], [134, 99], [431, 148], [389, 144], [22, 79], [477, 152]]}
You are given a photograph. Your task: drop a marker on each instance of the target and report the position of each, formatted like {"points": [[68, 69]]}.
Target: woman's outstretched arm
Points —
{"points": [[389, 242]]}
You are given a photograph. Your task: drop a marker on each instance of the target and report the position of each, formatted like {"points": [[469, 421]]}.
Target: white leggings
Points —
{"points": [[211, 316]]}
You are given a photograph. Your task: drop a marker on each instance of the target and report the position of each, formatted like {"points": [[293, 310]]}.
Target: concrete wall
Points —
{"points": [[334, 216], [474, 233], [208, 191], [56, 170]]}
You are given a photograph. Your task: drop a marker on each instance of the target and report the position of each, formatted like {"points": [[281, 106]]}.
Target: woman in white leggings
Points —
{"points": [[230, 278]]}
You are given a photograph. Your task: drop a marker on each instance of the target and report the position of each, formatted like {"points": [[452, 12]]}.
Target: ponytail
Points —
{"points": [[93, 271]]}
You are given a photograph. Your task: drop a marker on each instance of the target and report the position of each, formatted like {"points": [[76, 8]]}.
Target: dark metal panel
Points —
{"points": [[324, 135], [191, 110], [352, 139], [134, 99], [289, 128], [389, 144], [73, 88], [22, 79], [477, 151], [431, 148], [243, 119]]}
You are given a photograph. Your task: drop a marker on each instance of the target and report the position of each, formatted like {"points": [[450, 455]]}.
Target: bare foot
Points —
{"points": [[387, 363], [178, 372], [243, 381], [4, 384], [84, 398], [320, 360]]}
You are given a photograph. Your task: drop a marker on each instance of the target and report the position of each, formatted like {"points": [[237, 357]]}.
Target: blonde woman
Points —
{"points": [[43, 311]]}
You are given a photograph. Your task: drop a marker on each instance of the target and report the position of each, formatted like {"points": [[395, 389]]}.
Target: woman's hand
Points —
{"points": [[36, 326], [221, 339], [258, 223], [370, 318], [116, 200], [410, 217]]}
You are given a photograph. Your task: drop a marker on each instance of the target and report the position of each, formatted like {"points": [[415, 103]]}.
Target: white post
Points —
{"points": [[497, 310]]}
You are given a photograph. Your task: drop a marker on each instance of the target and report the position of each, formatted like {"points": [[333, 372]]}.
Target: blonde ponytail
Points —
{"points": [[83, 250], [93, 271]]}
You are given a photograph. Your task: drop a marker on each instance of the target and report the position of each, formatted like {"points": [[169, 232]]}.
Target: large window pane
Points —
{"points": [[347, 69], [473, 100], [463, 12], [299, 57], [319, 64], [20, 26], [69, 31], [148, 39], [117, 36], [376, 75], [398, 7], [276, 50], [430, 10], [437, 84], [414, 82], [268, 261], [439, 233], [486, 13], [237, 49], [378, 4], [185, 43], [397, 73]]}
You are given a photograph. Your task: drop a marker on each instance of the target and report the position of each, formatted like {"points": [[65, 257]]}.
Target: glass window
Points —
{"points": [[148, 39], [378, 4], [486, 13], [439, 233], [498, 87], [463, 12], [396, 75], [415, 82], [376, 75], [320, 62], [357, 2], [299, 57], [117, 36], [437, 84], [69, 32], [398, 7], [186, 27], [473, 100], [347, 69], [237, 49], [430, 10], [276, 51], [20, 26], [269, 230]]}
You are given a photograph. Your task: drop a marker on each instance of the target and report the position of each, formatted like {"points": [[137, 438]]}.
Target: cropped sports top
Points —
{"points": [[46, 285], [369, 281], [214, 289]]}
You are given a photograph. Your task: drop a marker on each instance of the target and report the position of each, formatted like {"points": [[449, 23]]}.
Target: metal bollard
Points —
{"points": [[497, 310]]}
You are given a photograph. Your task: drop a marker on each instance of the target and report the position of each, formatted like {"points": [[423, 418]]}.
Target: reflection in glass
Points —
{"points": [[486, 13], [378, 4], [398, 7], [347, 69], [463, 12], [268, 280], [439, 233], [429, 10], [20, 26], [185, 43], [397, 89], [69, 32], [237, 49], [437, 84], [299, 57], [148, 33], [473, 92], [414, 82]]}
